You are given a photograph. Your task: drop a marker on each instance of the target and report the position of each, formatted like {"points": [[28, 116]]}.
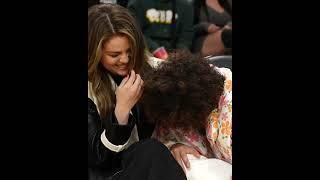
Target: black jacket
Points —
{"points": [[101, 160]]}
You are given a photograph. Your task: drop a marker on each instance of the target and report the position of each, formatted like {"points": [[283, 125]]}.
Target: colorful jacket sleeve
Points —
{"points": [[219, 129]]}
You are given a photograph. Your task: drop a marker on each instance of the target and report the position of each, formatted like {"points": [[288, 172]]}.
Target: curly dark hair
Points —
{"points": [[182, 91]]}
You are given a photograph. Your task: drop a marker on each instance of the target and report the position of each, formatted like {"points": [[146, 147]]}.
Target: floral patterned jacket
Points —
{"points": [[218, 139]]}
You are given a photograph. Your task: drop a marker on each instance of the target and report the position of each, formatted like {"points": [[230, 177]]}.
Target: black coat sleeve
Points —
{"points": [[145, 125], [98, 154]]}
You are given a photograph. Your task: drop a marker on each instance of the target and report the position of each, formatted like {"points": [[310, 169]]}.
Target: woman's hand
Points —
{"points": [[180, 151], [212, 28], [127, 94]]}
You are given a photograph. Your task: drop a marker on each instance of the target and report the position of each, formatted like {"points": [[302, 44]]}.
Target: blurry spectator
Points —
{"points": [[212, 26], [163, 33]]}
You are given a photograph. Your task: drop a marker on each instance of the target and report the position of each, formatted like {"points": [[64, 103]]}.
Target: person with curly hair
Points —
{"points": [[180, 96]]}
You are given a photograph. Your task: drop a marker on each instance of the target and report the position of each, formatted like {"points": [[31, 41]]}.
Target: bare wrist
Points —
{"points": [[122, 115]]}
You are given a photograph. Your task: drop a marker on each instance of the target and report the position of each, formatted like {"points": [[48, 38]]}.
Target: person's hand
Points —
{"points": [[228, 26], [212, 28], [180, 151], [127, 94]]}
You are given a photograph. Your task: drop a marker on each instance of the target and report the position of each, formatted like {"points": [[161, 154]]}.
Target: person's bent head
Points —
{"points": [[182, 92]]}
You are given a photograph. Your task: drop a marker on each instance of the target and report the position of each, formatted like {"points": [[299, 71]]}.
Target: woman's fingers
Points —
{"points": [[185, 160], [177, 156], [132, 78], [193, 152], [180, 152], [188, 150], [137, 82], [140, 91], [124, 80]]}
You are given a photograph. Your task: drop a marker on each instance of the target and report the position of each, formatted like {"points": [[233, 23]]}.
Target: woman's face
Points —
{"points": [[116, 55]]}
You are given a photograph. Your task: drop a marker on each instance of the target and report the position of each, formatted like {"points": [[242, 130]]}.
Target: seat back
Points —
{"points": [[220, 61]]}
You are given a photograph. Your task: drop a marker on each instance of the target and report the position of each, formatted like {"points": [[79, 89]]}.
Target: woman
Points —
{"points": [[117, 61], [212, 23]]}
